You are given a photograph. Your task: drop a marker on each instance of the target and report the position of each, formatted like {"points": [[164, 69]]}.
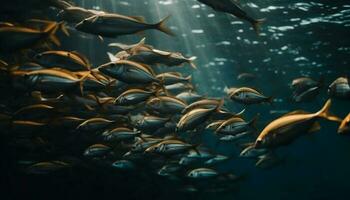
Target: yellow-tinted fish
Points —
{"points": [[287, 128], [344, 127]]}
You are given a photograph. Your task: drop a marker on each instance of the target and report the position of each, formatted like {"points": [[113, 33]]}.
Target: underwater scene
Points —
{"points": [[175, 99]]}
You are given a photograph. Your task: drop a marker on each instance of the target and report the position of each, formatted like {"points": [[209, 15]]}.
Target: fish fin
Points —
{"points": [[100, 38], [256, 25], [325, 113], [112, 57], [190, 61], [83, 58], [315, 127], [254, 121], [51, 31], [55, 40], [81, 82], [63, 28], [161, 26], [240, 114], [189, 78], [270, 100]]}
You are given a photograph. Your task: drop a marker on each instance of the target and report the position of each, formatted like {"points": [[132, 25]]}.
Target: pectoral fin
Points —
{"points": [[315, 127]]}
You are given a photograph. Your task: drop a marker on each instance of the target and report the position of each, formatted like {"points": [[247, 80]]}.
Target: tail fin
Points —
{"points": [[254, 121], [270, 100], [161, 26], [50, 30], [190, 61], [63, 28], [112, 57], [256, 25], [240, 114], [189, 78], [324, 112], [81, 82]]}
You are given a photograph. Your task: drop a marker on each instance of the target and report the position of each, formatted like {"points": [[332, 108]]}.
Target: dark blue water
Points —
{"points": [[299, 38]]}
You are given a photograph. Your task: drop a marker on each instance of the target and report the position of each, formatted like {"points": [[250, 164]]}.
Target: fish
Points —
{"points": [[246, 77], [215, 125], [344, 127], [284, 130], [47, 167], [37, 95], [178, 88], [120, 134], [133, 97], [166, 105], [26, 37], [232, 7], [251, 152], [340, 88], [236, 125], [248, 96], [267, 161], [169, 169], [147, 54], [202, 173], [70, 60], [170, 78], [94, 124], [189, 97], [205, 103], [129, 72], [20, 126], [302, 84], [217, 159], [74, 14], [170, 147], [50, 80], [35, 111], [235, 137], [114, 25], [142, 145], [196, 157], [196, 117], [151, 123], [97, 150], [123, 165], [307, 95]]}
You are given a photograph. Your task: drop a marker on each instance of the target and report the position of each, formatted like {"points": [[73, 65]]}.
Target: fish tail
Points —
{"points": [[81, 82], [63, 28], [257, 24], [50, 30], [254, 121], [189, 78], [162, 27], [190, 61], [240, 114], [325, 113], [270, 100]]}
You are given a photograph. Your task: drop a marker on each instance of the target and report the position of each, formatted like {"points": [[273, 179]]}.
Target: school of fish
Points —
{"points": [[129, 115]]}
